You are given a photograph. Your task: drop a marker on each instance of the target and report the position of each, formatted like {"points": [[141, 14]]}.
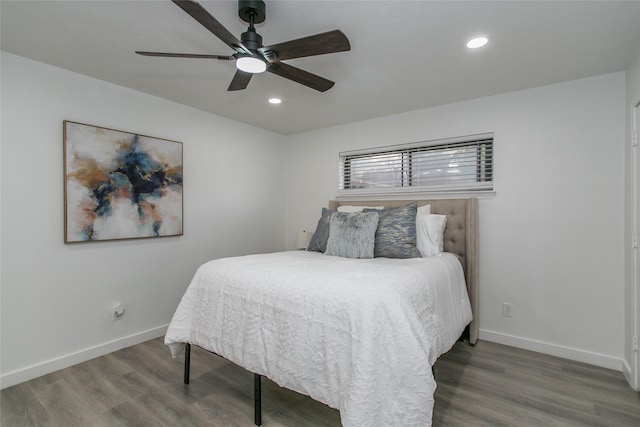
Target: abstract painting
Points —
{"points": [[120, 185]]}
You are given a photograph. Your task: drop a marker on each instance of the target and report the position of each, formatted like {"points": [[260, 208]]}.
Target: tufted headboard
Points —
{"points": [[460, 238]]}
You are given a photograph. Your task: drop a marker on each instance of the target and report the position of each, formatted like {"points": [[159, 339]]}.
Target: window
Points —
{"points": [[455, 164]]}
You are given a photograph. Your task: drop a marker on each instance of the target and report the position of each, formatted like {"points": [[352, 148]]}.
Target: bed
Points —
{"points": [[360, 335]]}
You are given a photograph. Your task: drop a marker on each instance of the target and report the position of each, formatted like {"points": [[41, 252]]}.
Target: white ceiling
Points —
{"points": [[405, 55]]}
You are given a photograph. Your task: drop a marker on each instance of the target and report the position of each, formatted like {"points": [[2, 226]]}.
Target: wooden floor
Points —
{"points": [[485, 385]]}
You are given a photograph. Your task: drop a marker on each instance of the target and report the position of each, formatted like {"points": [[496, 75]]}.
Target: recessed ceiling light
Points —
{"points": [[275, 100], [477, 42]]}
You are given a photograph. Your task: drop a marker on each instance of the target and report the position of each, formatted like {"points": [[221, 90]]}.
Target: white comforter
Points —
{"points": [[358, 335]]}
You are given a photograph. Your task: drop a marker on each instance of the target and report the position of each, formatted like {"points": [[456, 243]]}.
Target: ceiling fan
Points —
{"points": [[252, 57]]}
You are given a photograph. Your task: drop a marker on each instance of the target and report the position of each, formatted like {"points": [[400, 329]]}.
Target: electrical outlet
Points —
{"points": [[118, 311], [507, 309]]}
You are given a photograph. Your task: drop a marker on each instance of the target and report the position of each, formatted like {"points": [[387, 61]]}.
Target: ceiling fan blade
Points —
{"points": [[300, 76], [200, 14], [184, 55], [319, 44], [240, 80]]}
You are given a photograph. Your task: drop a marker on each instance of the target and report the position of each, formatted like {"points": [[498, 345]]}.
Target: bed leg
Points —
{"points": [[187, 362], [257, 399]]}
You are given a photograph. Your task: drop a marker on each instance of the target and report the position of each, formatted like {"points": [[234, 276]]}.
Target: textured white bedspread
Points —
{"points": [[357, 335]]}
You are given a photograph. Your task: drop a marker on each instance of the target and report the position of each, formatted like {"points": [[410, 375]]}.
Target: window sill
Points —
{"points": [[417, 195]]}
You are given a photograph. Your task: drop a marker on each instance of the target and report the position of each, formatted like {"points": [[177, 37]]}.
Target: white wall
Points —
{"points": [[551, 241], [57, 298], [632, 301]]}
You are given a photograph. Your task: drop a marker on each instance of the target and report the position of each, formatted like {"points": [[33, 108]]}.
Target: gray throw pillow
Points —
{"points": [[318, 242], [352, 235], [396, 234]]}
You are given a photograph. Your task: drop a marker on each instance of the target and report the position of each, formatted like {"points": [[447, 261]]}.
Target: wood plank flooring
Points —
{"points": [[486, 385]]}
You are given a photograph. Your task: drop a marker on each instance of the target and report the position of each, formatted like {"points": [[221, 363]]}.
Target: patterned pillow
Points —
{"points": [[319, 239], [396, 234], [352, 235]]}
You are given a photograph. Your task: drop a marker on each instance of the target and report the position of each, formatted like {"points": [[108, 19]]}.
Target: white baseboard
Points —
{"points": [[34, 371], [578, 355], [626, 371], [628, 375], [30, 372]]}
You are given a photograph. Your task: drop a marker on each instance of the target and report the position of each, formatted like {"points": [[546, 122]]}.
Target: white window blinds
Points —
{"points": [[454, 164]]}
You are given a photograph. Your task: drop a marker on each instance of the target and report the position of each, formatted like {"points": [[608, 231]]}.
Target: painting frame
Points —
{"points": [[120, 185]]}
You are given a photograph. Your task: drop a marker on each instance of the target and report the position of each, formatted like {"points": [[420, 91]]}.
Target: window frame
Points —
{"points": [[482, 186]]}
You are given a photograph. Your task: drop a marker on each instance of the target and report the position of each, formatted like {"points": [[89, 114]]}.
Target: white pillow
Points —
{"points": [[351, 209], [430, 234], [424, 210]]}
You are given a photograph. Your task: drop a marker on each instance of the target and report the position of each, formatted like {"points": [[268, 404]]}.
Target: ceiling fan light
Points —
{"points": [[250, 64]]}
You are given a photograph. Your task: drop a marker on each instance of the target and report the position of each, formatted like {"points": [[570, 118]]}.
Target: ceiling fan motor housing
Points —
{"points": [[252, 40]]}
